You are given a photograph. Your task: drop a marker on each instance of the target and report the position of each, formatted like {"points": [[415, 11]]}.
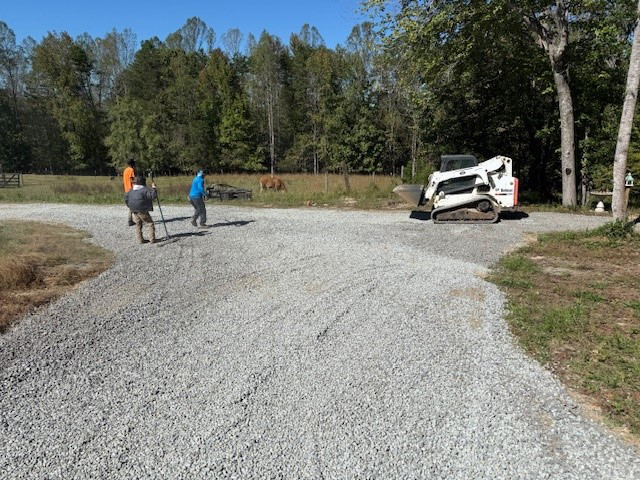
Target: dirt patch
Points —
{"points": [[471, 293]]}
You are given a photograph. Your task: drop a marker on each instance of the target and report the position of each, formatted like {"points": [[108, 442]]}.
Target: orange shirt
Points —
{"points": [[127, 178]]}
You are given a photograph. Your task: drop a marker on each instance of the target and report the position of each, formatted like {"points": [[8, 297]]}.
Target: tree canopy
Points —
{"points": [[539, 81]]}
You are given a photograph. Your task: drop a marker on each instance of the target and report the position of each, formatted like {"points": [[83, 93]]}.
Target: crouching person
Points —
{"points": [[140, 202]]}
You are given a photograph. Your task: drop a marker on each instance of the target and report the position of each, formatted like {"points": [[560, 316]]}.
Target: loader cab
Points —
{"points": [[457, 162]]}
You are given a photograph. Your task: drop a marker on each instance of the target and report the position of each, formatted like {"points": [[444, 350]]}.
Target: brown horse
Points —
{"points": [[268, 182]]}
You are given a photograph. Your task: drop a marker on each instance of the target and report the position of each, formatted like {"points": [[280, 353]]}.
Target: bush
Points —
{"points": [[614, 230]]}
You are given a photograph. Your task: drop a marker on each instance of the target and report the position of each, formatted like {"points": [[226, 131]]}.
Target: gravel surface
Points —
{"points": [[290, 344]]}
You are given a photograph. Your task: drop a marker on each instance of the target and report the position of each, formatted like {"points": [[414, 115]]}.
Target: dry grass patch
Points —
{"points": [[574, 301], [41, 261]]}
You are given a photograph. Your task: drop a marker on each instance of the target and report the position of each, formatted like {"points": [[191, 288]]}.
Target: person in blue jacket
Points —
{"points": [[196, 197]]}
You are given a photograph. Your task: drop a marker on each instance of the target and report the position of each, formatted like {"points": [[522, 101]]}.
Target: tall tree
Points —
{"points": [[229, 124], [549, 23], [192, 37], [313, 86], [231, 41], [115, 52], [11, 61], [14, 65], [626, 122], [267, 73], [62, 72]]}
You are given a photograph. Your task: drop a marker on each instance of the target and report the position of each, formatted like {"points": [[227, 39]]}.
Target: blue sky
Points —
{"points": [[333, 18]]}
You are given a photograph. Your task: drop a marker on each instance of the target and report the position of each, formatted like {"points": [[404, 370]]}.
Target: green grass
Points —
{"points": [[589, 296], [519, 269], [519, 264], [635, 306], [573, 305]]}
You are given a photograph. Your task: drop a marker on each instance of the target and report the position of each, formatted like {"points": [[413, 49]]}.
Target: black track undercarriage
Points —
{"points": [[481, 210]]}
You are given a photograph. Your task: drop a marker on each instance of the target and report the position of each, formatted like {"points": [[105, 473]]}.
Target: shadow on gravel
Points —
{"points": [[188, 234], [237, 223], [419, 215], [513, 215], [176, 219]]}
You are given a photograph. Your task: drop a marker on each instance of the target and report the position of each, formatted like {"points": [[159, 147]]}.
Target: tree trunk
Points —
{"points": [[619, 205], [584, 175], [552, 35], [272, 138], [414, 149], [345, 175], [315, 148], [567, 140]]}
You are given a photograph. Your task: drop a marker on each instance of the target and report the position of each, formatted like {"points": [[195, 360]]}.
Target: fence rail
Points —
{"points": [[9, 180]]}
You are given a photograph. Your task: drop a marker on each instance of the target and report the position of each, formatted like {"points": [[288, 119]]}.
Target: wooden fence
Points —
{"points": [[9, 180]]}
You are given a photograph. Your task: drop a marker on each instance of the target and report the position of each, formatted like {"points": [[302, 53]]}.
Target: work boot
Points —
{"points": [[193, 222]]}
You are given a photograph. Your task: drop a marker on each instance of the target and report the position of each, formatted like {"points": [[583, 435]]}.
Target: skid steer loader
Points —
{"points": [[465, 191]]}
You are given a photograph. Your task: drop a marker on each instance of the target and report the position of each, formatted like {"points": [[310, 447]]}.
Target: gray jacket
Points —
{"points": [[140, 200]]}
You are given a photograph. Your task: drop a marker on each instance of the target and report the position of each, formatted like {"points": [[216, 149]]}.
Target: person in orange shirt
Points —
{"points": [[128, 177]]}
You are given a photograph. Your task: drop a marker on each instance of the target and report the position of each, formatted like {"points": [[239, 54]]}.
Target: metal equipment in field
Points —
{"points": [[222, 191], [465, 191]]}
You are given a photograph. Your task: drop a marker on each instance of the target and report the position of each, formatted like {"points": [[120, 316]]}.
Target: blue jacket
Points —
{"points": [[197, 187]]}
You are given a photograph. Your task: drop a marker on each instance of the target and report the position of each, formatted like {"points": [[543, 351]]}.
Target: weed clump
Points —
{"points": [[18, 273], [617, 230]]}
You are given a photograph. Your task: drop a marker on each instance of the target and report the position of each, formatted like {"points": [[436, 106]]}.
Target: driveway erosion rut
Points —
{"points": [[290, 344]]}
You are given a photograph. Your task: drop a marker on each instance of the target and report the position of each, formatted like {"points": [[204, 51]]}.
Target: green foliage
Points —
{"points": [[614, 230], [14, 151], [487, 87], [448, 76], [62, 79]]}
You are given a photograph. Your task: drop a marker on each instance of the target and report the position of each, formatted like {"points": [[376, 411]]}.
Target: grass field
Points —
{"points": [[367, 192], [575, 306], [40, 261]]}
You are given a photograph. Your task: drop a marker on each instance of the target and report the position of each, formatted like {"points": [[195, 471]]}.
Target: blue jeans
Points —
{"points": [[201, 210]]}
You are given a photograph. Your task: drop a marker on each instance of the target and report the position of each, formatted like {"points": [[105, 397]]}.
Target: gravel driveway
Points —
{"points": [[290, 344]]}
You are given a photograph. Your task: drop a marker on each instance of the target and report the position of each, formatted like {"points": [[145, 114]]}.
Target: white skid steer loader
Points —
{"points": [[465, 191]]}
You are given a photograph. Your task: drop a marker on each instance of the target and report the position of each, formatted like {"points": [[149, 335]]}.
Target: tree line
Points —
{"points": [[539, 81]]}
